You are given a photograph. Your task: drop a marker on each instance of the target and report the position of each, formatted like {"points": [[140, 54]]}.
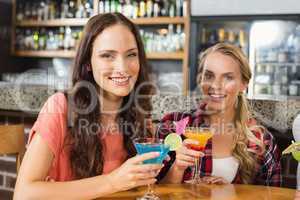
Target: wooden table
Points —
{"points": [[212, 192]]}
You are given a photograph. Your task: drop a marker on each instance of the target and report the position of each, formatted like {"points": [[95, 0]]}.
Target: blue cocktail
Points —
{"points": [[147, 145]]}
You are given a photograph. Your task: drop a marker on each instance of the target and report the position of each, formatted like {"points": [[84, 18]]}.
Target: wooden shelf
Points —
{"points": [[77, 22], [159, 20], [71, 54], [53, 22], [165, 55], [46, 54], [82, 22]]}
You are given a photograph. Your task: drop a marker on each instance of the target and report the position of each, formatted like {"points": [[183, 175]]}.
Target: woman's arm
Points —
{"points": [[36, 163], [174, 175], [270, 167], [38, 160], [272, 163]]}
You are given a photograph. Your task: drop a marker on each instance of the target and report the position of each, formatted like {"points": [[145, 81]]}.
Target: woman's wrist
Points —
{"points": [[178, 169], [174, 175], [111, 187]]}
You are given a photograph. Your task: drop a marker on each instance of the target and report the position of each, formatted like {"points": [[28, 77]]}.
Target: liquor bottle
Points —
{"points": [[80, 10], [120, 6], [107, 6], [72, 9], [40, 11], [170, 37], [149, 8], [89, 9], [231, 37], [57, 10], [50, 41], [142, 8], [20, 39], [101, 7], [76, 36], [179, 7], [46, 10], [243, 41], [113, 7], [68, 38], [172, 9], [156, 9], [42, 39], [27, 39], [72, 39], [34, 9], [181, 36], [164, 8], [184, 8], [128, 9], [203, 36], [64, 9], [36, 40], [20, 12], [27, 10], [212, 37], [135, 8], [221, 35], [60, 43], [52, 10]]}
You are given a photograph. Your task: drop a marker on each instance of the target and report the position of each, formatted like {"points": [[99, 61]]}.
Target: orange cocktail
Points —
{"points": [[202, 135]]}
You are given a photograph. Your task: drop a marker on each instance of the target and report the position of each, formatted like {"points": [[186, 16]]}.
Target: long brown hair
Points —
{"points": [[244, 134], [85, 147]]}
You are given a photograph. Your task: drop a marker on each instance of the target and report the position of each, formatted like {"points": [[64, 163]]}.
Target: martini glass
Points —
{"points": [[202, 135], [147, 145]]}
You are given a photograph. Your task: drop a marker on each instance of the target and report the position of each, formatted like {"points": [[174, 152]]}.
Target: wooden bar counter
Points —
{"points": [[212, 192]]}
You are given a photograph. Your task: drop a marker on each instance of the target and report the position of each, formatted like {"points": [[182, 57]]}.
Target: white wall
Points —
{"points": [[244, 7]]}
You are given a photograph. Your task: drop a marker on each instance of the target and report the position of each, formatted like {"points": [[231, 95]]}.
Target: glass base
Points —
{"points": [[148, 196], [194, 181]]}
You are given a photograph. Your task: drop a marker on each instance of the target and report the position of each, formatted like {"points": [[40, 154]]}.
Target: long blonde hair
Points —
{"points": [[245, 157]]}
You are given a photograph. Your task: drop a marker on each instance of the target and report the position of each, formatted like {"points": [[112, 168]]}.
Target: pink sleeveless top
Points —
{"points": [[51, 125]]}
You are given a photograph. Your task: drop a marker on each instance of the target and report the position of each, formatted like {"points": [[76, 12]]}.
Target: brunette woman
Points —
{"points": [[81, 147]]}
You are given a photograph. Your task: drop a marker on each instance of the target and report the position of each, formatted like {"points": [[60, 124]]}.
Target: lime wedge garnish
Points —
{"points": [[296, 155], [292, 148], [174, 140]]}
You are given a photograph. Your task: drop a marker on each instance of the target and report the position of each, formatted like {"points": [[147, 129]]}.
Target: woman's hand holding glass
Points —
{"points": [[185, 157], [214, 180], [134, 173]]}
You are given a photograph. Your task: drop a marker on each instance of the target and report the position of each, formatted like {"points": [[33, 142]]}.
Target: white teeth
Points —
{"points": [[217, 96], [120, 79]]}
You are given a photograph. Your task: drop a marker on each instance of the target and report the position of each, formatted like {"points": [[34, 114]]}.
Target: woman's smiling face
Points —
{"points": [[221, 81], [115, 61]]}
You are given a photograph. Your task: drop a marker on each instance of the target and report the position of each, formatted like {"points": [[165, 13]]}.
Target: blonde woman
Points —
{"points": [[240, 151]]}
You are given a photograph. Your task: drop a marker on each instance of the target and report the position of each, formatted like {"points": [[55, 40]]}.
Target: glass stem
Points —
{"points": [[150, 189], [197, 171]]}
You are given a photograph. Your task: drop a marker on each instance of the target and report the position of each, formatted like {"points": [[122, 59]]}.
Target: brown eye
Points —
{"points": [[132, 55], [106, 56], [229, 77], [208, 76]]}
